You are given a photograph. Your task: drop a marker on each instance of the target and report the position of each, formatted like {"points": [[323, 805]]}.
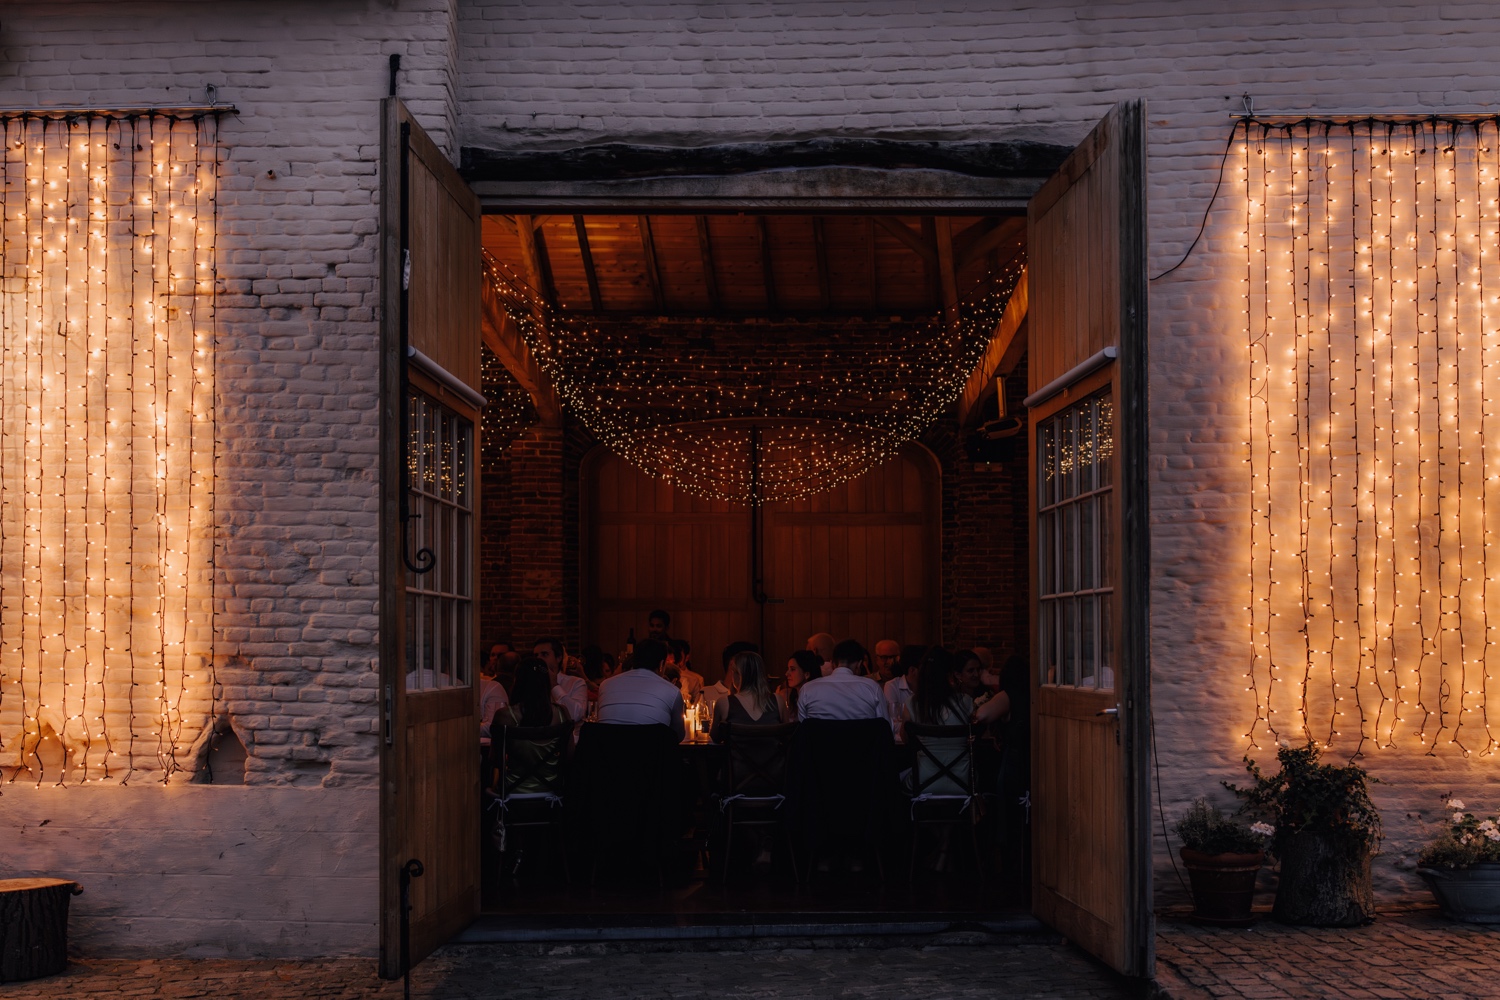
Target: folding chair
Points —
{"points": [[942, 785], [754, 787]]}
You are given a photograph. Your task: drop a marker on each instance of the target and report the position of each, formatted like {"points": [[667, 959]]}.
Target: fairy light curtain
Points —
{"points": [[766, 424], [1372, 292], [107, 431]]}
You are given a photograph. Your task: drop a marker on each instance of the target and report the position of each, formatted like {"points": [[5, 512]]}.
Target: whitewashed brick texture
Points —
{"points": [[293, 865], [563, 74], [297, 362]]}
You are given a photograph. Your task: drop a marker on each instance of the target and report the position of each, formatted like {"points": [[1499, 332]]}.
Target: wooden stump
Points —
{"points": [[1324, 884], [34, 927]]}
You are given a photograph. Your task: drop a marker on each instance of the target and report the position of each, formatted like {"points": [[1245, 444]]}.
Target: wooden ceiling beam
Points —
{"points": [[913, 241], [507, 223], [706, 252], [534, 260], [653, 275], [820, 245], [767, 271], [595, 299], [947, 273], [1008, 229], [1002, 354], [503, 337]]}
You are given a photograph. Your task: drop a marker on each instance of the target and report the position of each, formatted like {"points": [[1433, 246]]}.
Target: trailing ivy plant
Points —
{"points": [[1332, 800], [1204, 828]]}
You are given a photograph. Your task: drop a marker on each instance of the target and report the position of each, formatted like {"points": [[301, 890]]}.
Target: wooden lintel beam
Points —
{"points": [[706, 252], [1001, 355], [767, 272], [502, 336], [1010, 229], [596, 301], [506, 223], [653, 275], [947, 273], [912, 241], [820, 245], [534, 260]]}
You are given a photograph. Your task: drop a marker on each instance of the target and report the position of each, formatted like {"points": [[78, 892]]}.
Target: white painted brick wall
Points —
{"points": [[561, 74], [298, 472], [297, 363]]}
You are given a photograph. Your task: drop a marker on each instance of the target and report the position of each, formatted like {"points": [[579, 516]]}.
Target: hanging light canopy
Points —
{"points": [[753, 411]]}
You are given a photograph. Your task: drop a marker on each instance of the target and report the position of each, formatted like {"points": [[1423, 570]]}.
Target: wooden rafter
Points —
{"points": [[768, 274], [502, 336], [1001, 355], [820, 245], [912, 241], [947, 274], [706, 252], [534, 260], [653, 276], [1007, 230], [595, 299]]}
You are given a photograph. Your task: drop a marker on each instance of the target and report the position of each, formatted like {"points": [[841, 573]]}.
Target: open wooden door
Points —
{"points": [[430, 336], [1090, 547]]}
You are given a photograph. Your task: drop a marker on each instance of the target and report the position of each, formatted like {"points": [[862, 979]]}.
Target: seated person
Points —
{"points": [[492, 696], [639, 696], [571, 692], [801, 667], [690, 680], [844, 693], [751, 703], [718, 689], [939, 702], [899, 688], [532, 708], [887, 655], [970, 673], [822, 643]]}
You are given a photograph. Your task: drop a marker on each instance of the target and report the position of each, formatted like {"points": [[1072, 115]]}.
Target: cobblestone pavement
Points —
{"points": [[1039, 967], [1405, 954]]}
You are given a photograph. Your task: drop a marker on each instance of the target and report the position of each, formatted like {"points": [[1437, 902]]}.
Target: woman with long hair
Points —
{"points": [[802, 666], [531, 707], [751, 702], [937, 701]]}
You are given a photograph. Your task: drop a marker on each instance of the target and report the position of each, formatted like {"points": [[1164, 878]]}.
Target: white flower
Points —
{"points": [[1486, 825], [1493, 835], [1456, 804], [1264, 829], [1464, 839], [1458, 818]]}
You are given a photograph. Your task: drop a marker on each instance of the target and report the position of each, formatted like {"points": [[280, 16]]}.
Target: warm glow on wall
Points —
{"points": [[1371, 291], [107, 438]]}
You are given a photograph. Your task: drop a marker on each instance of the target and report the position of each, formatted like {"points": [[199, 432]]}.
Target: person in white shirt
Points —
{"points": [[569, 693], [898, 689], [822, 644], [844, 693], [887, 655], [640, 696]]}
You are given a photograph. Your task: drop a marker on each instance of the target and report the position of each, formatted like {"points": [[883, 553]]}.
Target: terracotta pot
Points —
{"points": [[1468, 894], [1223, 885]]}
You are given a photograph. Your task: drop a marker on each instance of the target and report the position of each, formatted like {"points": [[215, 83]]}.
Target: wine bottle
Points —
{"points": [[630, 641]]}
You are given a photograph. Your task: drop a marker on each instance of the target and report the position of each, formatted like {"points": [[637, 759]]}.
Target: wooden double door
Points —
{"points": [[861, 560]]}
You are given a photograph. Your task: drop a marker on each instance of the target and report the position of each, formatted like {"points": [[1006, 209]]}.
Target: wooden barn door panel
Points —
{"points": [[1090, 810], [430, 275], [860, 560]]}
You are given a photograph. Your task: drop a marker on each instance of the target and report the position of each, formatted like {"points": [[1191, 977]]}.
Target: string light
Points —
{"points": [[760, 430], [107, 439], [1369, 418]]}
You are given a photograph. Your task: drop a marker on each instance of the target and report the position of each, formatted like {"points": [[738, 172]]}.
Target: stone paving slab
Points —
{"points": [[1042, 969], [1405, 954]]}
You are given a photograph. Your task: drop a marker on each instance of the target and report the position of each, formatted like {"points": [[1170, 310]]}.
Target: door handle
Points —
{"points": [[1109, 711]]}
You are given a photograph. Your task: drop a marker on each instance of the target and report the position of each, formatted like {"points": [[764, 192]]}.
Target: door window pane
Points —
{"points": [[1075, 538]]}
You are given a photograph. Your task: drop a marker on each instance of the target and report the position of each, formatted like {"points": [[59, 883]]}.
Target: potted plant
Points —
{"points": [[1326, 831], [1223, 857], [1462, 867]]}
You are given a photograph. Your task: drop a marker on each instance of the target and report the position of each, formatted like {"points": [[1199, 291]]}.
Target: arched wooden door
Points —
{"points": [[861, 560]]}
